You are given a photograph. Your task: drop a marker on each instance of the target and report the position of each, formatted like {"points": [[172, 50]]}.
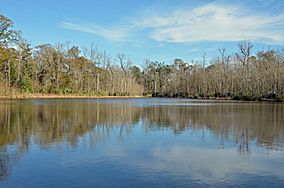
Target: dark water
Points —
{"points": [[140, 143]]}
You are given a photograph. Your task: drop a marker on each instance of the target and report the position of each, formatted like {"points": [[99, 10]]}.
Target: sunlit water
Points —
{"points": [[140, 143]]}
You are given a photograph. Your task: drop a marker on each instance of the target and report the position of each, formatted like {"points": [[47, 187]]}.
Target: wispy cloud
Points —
{"points": [[115, 34], [210, 22], [213, 22]]}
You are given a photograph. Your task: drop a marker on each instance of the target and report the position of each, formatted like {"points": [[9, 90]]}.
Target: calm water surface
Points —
{"points": [[140, 143]]}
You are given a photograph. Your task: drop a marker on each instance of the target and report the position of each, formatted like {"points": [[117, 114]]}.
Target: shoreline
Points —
{"points": [[66, 97], [37, 96]]}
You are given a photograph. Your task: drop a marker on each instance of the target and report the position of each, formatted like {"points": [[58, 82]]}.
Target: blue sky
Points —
{"points": [[159, 30]]}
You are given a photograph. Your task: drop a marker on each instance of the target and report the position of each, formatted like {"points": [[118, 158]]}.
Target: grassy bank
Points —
{"points": [[55, 96]]}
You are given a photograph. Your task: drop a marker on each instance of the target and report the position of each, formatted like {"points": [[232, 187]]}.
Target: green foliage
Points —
{"points": [[7, 35], [25, 82]]}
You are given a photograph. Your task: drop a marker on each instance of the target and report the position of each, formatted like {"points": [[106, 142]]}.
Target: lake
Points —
{"points": [[141, 143]]}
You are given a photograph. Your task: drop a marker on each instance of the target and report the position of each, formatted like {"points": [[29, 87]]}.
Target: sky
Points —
{"points": [[159, 30]]}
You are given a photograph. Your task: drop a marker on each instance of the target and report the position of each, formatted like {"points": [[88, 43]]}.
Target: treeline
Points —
{"points": [[238, 76], [60, 69], [65, 69]]}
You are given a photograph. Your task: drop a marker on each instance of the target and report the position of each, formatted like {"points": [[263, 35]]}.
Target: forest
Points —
{"points": [[64, 69]]}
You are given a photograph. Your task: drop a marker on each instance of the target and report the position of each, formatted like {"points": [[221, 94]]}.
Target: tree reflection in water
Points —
{"points": [[43, 123]]}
